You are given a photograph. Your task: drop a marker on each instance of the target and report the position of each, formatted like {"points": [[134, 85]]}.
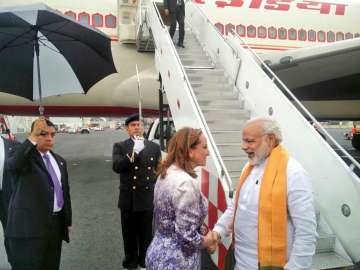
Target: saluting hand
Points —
{"points": [[39, 126]]}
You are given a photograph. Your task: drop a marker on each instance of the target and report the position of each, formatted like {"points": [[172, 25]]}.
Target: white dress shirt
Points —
{"points": [[2, 161], [301, 219], [58, 174]]}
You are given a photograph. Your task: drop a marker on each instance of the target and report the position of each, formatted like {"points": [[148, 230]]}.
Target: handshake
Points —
{"points": [[211, 240]]}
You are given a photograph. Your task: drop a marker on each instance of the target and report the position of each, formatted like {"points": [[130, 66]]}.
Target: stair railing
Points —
{"points": [[354, 163], [224, 175]]}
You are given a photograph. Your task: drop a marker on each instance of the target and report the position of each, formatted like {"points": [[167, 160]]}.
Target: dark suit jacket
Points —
{"points": [[137, 179], [171, 5], [32, 201], [7, 184]]}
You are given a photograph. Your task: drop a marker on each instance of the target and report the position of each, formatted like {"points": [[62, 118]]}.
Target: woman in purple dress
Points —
{"points": [[179, 207]]}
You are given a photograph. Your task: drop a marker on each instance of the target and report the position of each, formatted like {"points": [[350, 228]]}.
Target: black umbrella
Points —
{"points": [[72, 56]]}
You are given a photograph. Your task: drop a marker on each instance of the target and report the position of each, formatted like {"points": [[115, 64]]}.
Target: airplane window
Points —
{"points": [[282, 33], [229, 27], [84, 18], [240, 29], [261, 32], [110, 21], [251, 31], [330, 36], [302, 35], [70, 14], [272, 32], [292, 34], [312, 35], [339, 36], [220, 27], [321, 36], [349, 36], [97, 20]]}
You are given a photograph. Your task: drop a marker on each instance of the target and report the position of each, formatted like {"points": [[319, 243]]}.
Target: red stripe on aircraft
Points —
{"points": [[74, 110]]}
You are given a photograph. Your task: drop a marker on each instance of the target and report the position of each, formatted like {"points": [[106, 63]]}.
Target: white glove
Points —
{"points": [[138, 146]]}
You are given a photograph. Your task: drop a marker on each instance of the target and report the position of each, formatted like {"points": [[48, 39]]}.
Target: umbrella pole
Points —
{"points": [[41, 108], [139, 93]]}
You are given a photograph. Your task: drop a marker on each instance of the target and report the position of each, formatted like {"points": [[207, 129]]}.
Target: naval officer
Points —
{"points": [[136, 160]]}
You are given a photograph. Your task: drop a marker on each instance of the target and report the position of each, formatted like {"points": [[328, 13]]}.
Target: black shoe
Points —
{"points": [[180, 45]]}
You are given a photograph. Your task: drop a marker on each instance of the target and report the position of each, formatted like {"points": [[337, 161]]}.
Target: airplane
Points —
{"points": [[113, 96], [267, 26]]}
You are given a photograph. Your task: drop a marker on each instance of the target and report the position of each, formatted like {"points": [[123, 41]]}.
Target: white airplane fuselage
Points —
{"points": [[266, 25]]}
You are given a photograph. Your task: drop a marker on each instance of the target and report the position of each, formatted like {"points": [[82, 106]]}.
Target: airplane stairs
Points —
{"points": [[205, 88], [225, 112]]}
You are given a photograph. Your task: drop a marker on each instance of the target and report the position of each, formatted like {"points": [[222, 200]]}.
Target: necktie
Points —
{"points": [[56, 183]]}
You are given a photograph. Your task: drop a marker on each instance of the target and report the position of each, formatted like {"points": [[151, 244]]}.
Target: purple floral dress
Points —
{"points": [[179, 210]]}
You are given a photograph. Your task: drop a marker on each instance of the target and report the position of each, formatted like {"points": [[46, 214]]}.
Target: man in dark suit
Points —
{"points": [[176, 9], [6, 149], [39, 215], [136, 160]]}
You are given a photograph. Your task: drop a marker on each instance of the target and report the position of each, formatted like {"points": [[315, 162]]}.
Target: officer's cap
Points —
{"points": [[132, 118]]}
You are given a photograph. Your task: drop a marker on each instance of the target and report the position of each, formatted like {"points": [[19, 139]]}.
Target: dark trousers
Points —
{"points": [[137, 234], [177, 16], [3, 220], [38, 253]]}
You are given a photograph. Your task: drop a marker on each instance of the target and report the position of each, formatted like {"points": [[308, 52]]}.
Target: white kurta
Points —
{"points": [[301, 219]]}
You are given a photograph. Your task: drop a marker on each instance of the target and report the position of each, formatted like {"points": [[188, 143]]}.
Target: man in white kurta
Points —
{"points": [[301, 223]]}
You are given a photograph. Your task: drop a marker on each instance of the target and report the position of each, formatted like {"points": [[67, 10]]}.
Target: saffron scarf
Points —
{"points": [[272, 212]]}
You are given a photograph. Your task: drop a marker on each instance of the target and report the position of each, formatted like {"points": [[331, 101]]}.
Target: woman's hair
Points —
{"points": [[178, 151]]}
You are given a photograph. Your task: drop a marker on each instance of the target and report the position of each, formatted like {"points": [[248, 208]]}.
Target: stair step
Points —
{"points": [[217, 104], [188, 50], [215, 89], [329, 260], [213, 71], [209, 97], [234, 178], [229, 136], [231, 150], [195, 62], [206, 96], [234, 163], [222, 84], [224, 114], [198, 79], [325, 242], [194, 56], [226, 125]]}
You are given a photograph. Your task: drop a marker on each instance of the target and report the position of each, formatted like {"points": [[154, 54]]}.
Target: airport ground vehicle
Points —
{"points": [[83, 130]]}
